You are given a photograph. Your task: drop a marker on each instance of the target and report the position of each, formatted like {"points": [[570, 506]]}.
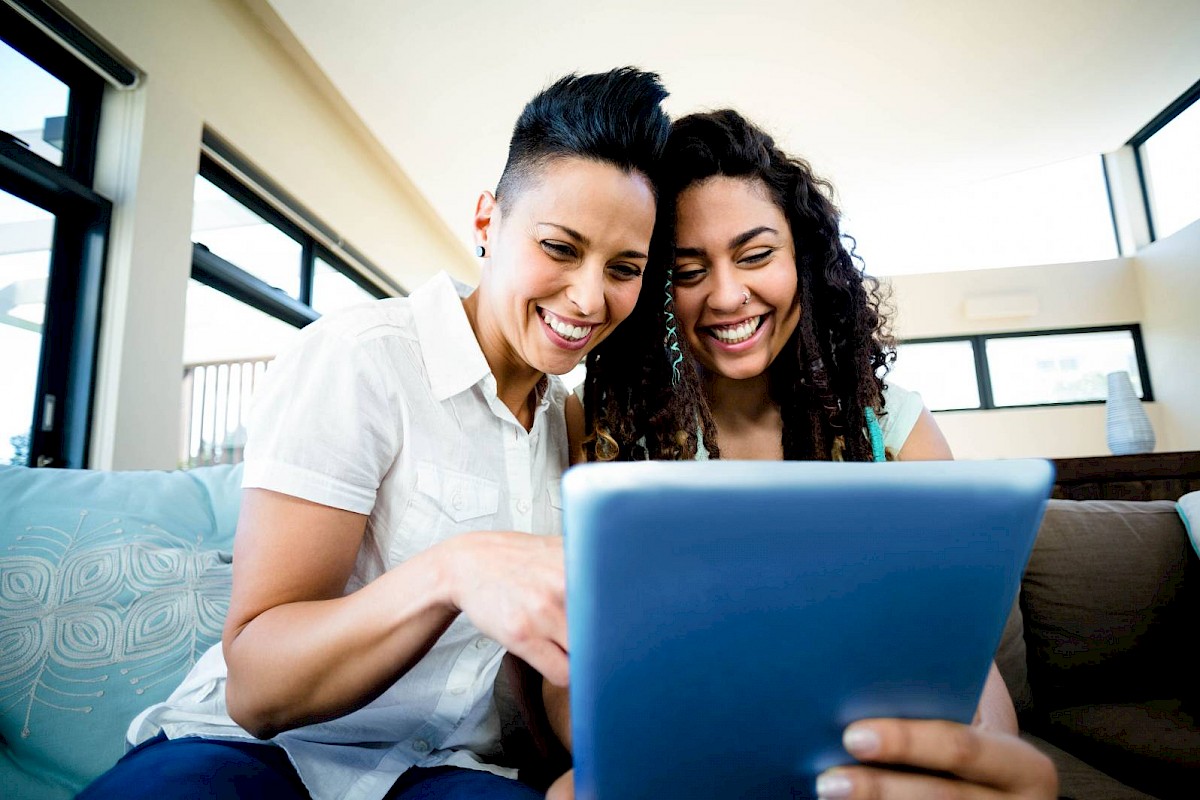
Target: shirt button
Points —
{"points": [[458, 690], [421, 746], [458, 502], [523, 506], [482, 643]]}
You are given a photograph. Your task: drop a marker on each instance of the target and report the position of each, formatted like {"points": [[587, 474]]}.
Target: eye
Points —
{"points": [[688, 275], [757, 256], [625, 272], [559, 250]]}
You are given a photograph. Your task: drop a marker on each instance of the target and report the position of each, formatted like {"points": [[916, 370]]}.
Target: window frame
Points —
{"points": [[86, 91], [983, 375], [241, 285], [1136, 142], [65, 387], [237, 282]]}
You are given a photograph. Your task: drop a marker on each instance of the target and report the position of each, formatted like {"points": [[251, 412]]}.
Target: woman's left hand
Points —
{"points": [[968, 761], [975, 762]]}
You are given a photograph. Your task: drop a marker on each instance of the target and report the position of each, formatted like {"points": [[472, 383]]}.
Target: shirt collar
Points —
{"points": [[451, 352]]}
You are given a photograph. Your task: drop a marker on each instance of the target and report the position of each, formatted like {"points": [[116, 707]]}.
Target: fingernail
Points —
{"points": [[861, 742], [832, 785]]}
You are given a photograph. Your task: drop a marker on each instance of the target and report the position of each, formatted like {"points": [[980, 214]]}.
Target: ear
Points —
{"points": [[487, 213]]}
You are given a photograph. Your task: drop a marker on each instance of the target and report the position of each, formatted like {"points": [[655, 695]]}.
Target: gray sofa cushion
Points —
{"points": [[1011, 661], [1078, 780], [1103, 601], [1155, 746]]}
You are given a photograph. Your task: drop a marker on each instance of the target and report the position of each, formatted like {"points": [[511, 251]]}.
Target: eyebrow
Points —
{"points": [[742, 238], [583, 240], [734, 243]]}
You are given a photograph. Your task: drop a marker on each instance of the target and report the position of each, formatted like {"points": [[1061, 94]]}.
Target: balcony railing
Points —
{"points": [[216, 400]]}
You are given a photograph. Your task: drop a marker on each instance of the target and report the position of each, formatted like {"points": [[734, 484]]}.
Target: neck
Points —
{"points": [[744, 401], [516, 381], [749, 423]]}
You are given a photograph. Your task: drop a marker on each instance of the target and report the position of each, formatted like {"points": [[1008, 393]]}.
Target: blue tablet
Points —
{"points": [[728, 619]]}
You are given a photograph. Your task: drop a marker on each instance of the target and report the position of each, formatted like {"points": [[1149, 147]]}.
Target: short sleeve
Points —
{"points": [[322, 426], [903, 409]]}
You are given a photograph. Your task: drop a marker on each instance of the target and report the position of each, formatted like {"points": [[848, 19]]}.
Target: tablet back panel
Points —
{"points": [[728, 619]]}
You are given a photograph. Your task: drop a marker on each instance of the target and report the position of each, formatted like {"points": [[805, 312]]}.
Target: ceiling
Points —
{"points": [[883, 97]]}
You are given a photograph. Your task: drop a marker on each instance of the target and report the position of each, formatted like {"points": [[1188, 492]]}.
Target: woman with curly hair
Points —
{"points": [[776, 348], [776, 340]]}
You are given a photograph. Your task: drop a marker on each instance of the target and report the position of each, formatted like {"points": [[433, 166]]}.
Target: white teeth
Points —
{"points": [[570, 332], [732, 334]]}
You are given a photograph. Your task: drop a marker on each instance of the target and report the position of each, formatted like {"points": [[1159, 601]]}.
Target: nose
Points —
{"points": [[727, 293], [586, 289]]}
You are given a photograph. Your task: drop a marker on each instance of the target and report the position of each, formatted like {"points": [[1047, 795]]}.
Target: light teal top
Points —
{"points": [[903, 408]]}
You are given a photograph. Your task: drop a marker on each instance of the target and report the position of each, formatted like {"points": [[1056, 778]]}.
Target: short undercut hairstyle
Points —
{"points": [[613, 117]]}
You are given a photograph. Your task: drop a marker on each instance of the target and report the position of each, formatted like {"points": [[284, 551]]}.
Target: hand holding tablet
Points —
{"points": [[727, 621]]}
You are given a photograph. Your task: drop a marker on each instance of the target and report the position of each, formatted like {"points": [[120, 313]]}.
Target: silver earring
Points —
{"points": [[745, 297], [479, 251]]}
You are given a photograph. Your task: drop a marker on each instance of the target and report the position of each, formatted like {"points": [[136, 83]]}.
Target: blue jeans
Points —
{"points": [[192, 768]]}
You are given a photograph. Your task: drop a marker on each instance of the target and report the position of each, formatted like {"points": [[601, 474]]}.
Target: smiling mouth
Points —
{"points": [[737, 332], [567, 330]]}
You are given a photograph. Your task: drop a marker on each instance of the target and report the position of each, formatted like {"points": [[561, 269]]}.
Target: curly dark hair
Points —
{"points": [[830, 371]]}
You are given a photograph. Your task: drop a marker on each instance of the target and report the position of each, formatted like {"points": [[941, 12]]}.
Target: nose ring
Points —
{"points": [[745, 297]]}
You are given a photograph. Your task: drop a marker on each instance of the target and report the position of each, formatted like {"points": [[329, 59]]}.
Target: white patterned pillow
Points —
{"points": [[112, 584]]}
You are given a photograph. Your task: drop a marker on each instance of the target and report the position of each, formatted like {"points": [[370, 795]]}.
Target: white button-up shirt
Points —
{"points": [[390, 410]]}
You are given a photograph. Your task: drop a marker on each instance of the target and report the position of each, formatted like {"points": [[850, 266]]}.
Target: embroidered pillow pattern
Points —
{"points": [[103, 608]]}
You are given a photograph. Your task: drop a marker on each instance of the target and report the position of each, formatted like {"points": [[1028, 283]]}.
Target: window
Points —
{"points": [[33, 105], [1059, 368], [26, 236], [53, 229], [944, 372], [1018, 370], [232, 231], [334, 289], [258, 276], [1058, 213], [1168, 155]]}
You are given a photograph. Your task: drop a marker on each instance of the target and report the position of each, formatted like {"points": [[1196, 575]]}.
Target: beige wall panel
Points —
{"points": [[1168, 273]]}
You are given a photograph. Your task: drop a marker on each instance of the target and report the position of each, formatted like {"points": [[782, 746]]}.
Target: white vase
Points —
{"points": [[1128, 427]]}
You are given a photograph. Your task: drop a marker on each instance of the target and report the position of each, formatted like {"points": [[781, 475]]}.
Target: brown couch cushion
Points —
{"points": [[1104, 602], [1010, 660], [1078, 780], [1153, 746]]}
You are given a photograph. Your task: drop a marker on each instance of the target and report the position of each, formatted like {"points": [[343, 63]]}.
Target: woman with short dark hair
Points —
{"points": [[400, 523]]}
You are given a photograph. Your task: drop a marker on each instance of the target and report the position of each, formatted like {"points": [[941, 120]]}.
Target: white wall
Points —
{"points": [[1160, 288], [1065, 295], [1168, 274], [217, 63]]}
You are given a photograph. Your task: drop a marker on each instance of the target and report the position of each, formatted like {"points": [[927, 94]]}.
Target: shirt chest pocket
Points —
{"points": [[446, 502]]}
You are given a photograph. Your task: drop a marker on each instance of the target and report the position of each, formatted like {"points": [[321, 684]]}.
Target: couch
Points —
{"points": [[1097, 653], [112, 584]]}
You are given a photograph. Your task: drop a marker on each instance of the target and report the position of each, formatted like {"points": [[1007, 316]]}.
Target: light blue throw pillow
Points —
{"points": [[1189, 509], [112, 584]]}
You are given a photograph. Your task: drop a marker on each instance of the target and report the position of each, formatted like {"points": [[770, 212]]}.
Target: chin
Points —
{"points": [[558, 366], [740, 371]]}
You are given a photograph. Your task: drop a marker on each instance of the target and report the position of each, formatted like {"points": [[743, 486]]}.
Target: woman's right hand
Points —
{"points": [[300, 651], [511, 586]]}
